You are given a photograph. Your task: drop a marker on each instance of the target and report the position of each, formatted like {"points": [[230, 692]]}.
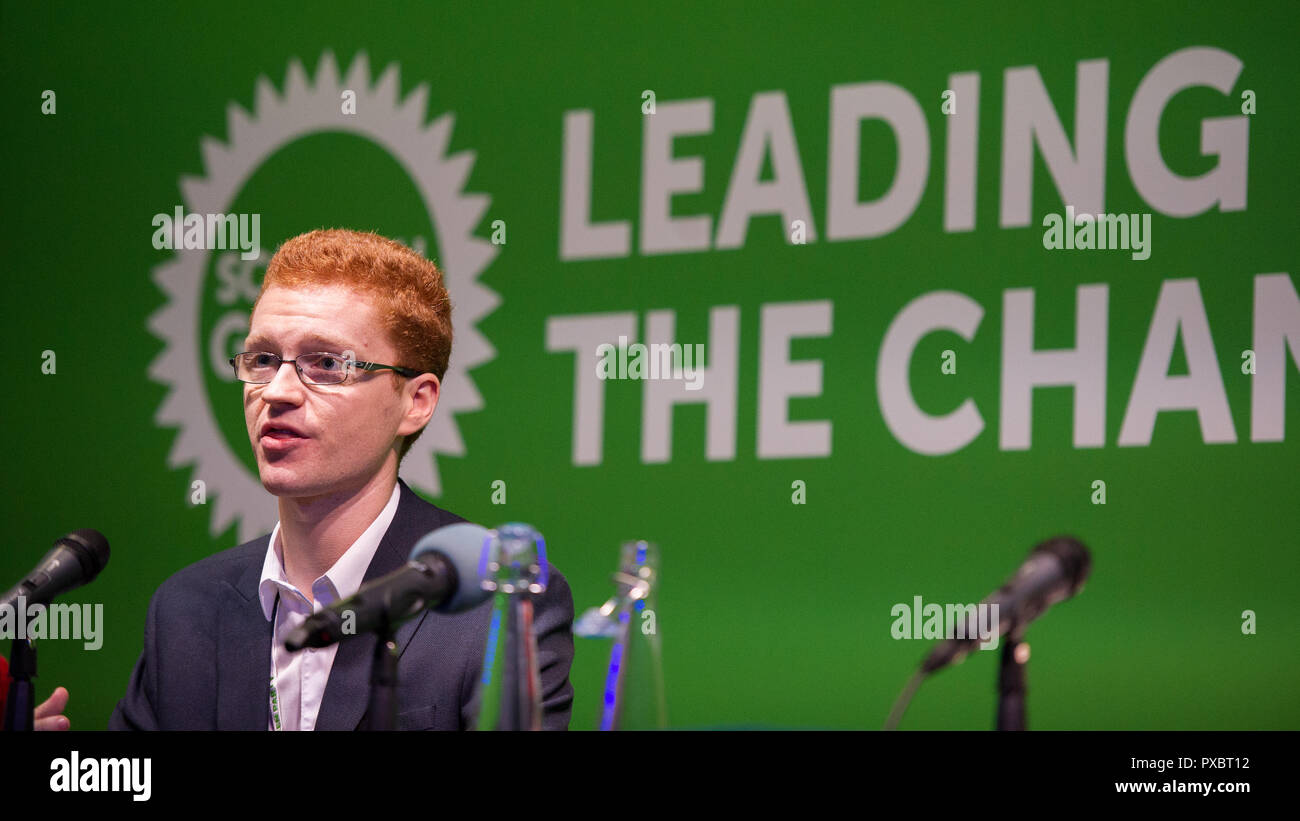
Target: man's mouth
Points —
{"points": [[280, 437], [280, 429]]}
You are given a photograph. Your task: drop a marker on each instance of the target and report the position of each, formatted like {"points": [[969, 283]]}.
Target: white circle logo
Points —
{"points": [[307, 108]]}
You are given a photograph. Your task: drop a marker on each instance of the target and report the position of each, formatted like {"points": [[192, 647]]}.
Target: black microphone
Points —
{"points": [[76, 559], [1054, 571], [443, 574]]}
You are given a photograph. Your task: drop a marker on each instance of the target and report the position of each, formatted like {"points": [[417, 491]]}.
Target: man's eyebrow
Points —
{"points": [[329, 343]]}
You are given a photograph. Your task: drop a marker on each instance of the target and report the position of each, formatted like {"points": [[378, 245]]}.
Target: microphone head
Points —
{"points": [[1073, 556], [461, 545], [91, 548]]}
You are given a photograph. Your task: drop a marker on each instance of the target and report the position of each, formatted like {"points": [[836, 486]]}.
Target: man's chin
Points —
{"points": [[292, 485], [285, 484]]}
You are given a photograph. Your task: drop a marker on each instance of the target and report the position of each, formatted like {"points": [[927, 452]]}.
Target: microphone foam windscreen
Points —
{"points": [[92, 549], [460, 544], [1074, 557]]}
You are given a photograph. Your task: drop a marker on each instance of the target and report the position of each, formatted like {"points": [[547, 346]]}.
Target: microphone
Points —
{"points": [[442, 574], [4, 683], [1054, 571], [76, 559]]}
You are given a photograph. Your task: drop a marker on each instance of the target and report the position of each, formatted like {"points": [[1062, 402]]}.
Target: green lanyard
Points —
{"points": [[275, 696]]}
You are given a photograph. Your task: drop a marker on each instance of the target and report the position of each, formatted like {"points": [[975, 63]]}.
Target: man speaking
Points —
{"points": [[348, 342]]}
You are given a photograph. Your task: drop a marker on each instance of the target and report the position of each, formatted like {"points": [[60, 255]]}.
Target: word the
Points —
{"points": [[779, 379]]}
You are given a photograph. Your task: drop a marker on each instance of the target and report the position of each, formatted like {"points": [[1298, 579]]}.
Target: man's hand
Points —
{"points": [[49, 714]]}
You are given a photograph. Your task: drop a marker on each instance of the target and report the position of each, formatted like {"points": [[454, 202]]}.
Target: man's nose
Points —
{"points": [[286, 386]]}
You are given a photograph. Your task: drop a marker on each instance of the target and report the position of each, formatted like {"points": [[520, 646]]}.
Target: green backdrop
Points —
{"points": [[771, 613]]}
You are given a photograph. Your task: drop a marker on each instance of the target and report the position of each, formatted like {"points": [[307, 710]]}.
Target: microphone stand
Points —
{"points": [[382, 709], [21, 706], [1011, 682]]}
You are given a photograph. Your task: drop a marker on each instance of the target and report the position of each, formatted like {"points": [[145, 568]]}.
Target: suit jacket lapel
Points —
{"points": [[243, 654], [347, 692]]}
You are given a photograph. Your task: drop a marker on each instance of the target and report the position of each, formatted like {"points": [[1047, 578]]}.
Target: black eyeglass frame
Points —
{"points": [[350, 363]]}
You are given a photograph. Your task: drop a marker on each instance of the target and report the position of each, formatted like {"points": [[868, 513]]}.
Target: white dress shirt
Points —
{"points": [[299, 678]]}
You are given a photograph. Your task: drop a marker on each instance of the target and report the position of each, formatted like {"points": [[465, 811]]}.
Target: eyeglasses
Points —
{"points": [[313, 368]]}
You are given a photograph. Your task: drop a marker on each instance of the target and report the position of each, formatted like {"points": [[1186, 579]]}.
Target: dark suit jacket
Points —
{"points": [[207, 648]]}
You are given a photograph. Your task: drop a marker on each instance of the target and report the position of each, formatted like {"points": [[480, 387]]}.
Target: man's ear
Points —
{"points": [[420, 395]]}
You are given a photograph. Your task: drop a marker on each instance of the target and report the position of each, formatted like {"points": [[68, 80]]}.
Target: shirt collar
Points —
{"points": [[341, 580]]}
